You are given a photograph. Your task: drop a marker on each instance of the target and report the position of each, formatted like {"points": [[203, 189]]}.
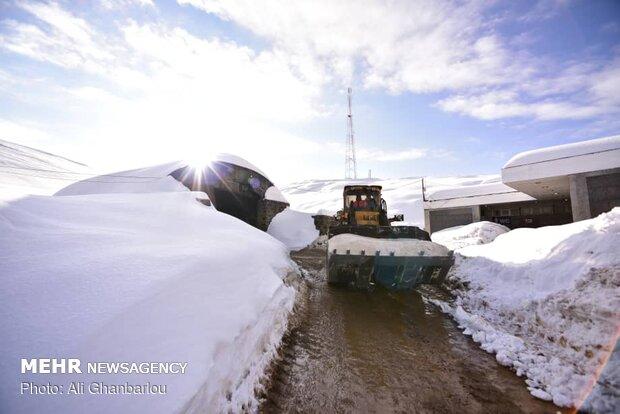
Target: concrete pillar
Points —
{"points": [[579, 197], [427, 221], [475, 214]]}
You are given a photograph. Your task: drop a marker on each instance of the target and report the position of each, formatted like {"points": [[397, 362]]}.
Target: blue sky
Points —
{"points": [[440, 87]]}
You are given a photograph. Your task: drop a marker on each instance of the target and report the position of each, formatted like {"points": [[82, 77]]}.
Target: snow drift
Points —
{"points": [[139, 277], [293, 228], [481, 232], [547, 302]]}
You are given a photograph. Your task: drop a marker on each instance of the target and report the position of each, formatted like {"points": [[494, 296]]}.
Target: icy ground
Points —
{"points": [[547, 302], [403, 195], [139, 272]]}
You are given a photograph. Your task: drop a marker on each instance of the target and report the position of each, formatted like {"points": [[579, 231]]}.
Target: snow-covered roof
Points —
{"points": [[594, 146], [274, 194], [474, 195], [155, 178], [236, 160], [151, 179], [543, 173]]}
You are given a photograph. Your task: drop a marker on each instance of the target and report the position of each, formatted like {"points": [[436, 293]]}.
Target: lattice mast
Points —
{"points": [[350, 164]]}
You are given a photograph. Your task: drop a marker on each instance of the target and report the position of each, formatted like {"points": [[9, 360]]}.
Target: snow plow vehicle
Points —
{"points": [[364, 249]]}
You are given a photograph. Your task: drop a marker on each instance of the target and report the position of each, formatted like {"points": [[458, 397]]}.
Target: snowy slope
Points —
{"points": [[25, 170], [403, 195], [547, 302], [139, 277]]}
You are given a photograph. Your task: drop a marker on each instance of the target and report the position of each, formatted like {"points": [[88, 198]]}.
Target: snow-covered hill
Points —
{"points": [[403, 195], [25, 170]]}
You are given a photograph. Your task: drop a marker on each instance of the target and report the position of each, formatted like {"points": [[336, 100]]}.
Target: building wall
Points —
{"points": [[603, 193], [267, 210], [535, 213], [594, 193]]}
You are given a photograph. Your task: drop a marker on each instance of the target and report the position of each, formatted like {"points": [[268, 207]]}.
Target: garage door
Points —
{"points": [[442, 219]]}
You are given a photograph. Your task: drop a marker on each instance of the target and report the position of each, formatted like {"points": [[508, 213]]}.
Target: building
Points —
{"points": [[235, 187], [547, 186]]}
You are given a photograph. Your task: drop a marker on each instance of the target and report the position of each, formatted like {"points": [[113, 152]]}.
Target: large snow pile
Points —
{"points": [[25, 170], [481, 232], [403, 195], [547, 302], [153, 277], [293, 228]]}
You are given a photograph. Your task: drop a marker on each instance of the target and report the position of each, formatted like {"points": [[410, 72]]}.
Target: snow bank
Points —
{"points": [[137, 278], [403, 195], [547, 302], [400, 247], [293, 228], [482, 232], [25, 170]]}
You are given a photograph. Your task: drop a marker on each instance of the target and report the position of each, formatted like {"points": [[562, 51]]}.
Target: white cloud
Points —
{"points": [[382, 155], [592, 88], [134, 87], [162, 92], [544, 10], [506, 104], [421, 46], [120, 4], [428, 46], [388, 156]]}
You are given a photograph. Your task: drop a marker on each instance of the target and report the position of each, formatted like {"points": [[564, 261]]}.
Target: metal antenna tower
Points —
{"points": [[350, 164]]}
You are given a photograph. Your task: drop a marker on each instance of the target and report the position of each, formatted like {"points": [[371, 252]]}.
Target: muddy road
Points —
{"points": [[380, 351]]}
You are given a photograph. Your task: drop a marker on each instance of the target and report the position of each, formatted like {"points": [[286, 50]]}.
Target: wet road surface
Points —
{"points": [[352, 351]]}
